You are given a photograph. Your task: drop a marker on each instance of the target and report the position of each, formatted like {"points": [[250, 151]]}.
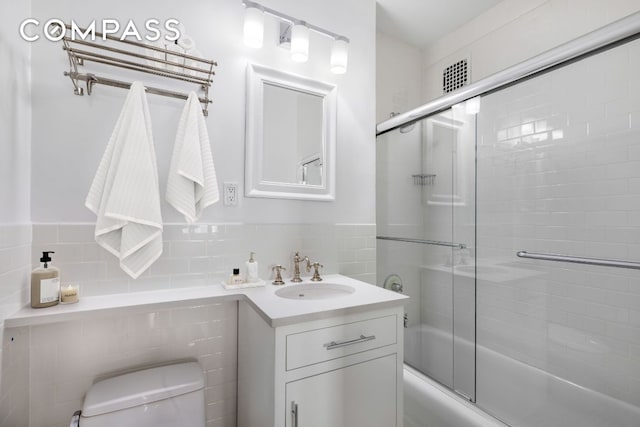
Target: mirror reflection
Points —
{"points": [[292, 136]]}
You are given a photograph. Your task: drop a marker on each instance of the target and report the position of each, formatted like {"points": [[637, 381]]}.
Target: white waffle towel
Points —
{"points": [[192, 183], [124, 194]]}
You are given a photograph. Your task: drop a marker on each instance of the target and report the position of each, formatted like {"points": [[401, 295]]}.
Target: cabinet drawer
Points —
{"points": [[320, 345]]}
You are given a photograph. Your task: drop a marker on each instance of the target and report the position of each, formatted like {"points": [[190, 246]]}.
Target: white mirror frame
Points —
{"points": [[255, 186]]}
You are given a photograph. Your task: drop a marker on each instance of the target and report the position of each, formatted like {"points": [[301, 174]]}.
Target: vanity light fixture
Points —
{"points": [[295, 33], [339, 55], [253, 25], [300, 42]]}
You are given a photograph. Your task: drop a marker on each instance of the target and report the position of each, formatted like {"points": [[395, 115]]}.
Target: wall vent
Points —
{"points": [[455, 76]]}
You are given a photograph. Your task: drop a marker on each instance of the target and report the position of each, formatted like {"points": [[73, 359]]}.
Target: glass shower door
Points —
{"points": [[559, 176], [426, 240]]}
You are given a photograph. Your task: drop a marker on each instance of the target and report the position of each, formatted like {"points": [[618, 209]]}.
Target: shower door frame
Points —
{"points": [[604, 38]]}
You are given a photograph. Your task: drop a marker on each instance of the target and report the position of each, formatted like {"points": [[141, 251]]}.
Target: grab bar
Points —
{"points": [[580, 260], [424, 242]]}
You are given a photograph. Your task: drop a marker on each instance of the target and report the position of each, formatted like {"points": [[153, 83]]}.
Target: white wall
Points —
{"points": [[15, 229], [70, 132], [15, 117], [69, 135], [398, 79], [515, 30]]}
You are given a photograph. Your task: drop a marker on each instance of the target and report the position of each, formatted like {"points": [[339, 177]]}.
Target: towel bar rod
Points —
{"points": [[93, 79], [424, 242], [580, 260], [142, 45], [163, 73], [117, 62], [136, 55]]}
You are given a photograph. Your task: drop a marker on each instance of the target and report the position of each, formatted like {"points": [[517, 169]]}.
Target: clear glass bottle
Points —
{"points": [[45, 284], [235, 278]]}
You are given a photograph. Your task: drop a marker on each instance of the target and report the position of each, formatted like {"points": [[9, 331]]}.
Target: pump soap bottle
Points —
{"points": [[45, 284], [252, 269]]}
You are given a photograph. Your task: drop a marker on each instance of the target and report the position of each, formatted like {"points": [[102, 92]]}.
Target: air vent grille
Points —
{"points": [[455, 76]]}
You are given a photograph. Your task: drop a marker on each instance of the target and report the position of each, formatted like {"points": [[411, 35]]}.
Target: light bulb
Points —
{"points": [[253, 27], [299, 43], [339, 56]]}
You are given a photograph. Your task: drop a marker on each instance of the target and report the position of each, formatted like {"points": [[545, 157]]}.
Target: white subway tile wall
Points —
{"points": [[67, 358], [559, 172], [15, 266], [205, 254], [194, 255]]}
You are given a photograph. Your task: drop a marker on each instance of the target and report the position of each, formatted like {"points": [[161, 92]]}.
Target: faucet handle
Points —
{"points": [[278, 269], [316, 274]]}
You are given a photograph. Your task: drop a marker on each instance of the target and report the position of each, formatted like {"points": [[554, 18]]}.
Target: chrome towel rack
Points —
{"points": [[183, 67], [580, 260]]}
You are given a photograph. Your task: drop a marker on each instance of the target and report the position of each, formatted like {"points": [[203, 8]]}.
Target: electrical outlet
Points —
{"points": [[230, 193]]}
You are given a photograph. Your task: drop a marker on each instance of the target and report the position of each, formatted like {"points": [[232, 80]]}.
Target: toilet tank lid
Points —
{"points": [[142, 387]]}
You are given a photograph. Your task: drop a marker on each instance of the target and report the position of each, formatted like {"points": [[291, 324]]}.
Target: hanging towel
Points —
{"points": [[192, 184], [124, 194]]}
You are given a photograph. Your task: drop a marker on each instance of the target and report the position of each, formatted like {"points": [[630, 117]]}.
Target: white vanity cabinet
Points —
{"points": [[342, 371]]}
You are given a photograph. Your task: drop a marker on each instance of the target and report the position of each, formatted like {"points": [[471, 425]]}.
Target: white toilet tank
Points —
{"points": [[166, 396]]}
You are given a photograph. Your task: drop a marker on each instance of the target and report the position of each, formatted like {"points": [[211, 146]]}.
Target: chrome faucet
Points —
{"points": [[316, 274], [278, 269], [297, 259]]}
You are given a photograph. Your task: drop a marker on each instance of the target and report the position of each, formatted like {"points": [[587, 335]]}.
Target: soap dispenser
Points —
{"points": [[45, 283], [252, 269]]}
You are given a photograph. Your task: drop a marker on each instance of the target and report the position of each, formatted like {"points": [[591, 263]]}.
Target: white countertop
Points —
{"points": [[275, 310]]}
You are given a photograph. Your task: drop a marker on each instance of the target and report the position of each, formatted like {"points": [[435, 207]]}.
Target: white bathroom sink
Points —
{"points": [[315, 291]]}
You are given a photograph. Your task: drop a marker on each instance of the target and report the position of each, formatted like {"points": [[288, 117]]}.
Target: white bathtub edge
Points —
{"points": [[443, 404]]}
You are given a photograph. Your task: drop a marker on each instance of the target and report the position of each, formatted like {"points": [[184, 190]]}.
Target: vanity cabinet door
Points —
{"points": [[360, 395]]}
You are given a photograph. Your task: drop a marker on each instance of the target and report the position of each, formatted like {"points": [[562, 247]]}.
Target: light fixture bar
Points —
{"points": [[294, 21]]}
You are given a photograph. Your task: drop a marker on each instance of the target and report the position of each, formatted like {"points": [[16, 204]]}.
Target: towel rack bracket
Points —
{"points": [[77, 90]]}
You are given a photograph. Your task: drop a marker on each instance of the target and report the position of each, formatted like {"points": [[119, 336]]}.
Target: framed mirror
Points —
{"points": [[290, 136]]}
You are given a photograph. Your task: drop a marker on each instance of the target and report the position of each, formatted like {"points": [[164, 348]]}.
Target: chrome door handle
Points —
{"points": [[294, 414], [337, 344]]}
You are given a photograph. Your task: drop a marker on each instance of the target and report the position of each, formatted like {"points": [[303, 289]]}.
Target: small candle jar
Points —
{"points": [[69, 293]]}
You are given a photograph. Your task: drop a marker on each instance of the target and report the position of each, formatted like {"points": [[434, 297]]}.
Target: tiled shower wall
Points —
{"points": [[205, 254], [15, 265], [559, 172]]}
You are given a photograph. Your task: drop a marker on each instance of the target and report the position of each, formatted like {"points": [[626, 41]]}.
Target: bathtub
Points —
{"points": [[513, 390], [429, 404]]}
